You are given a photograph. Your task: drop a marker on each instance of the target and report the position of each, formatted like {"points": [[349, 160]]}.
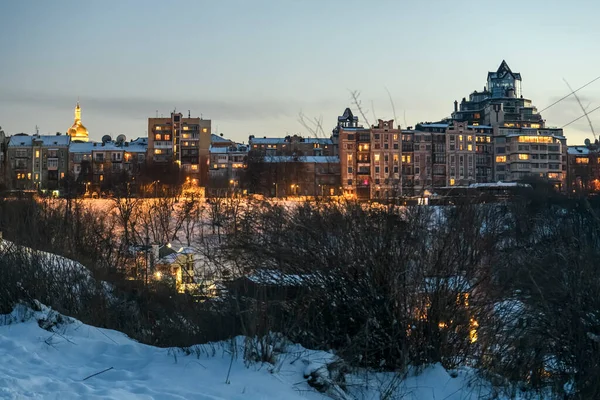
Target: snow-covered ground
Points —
{"points": [[59, 362]]}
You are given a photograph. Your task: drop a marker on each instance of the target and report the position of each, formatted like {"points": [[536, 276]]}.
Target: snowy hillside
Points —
{"points": [[47, 356]]}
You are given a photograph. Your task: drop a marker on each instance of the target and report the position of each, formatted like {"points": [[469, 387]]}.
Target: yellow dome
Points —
{"points": [[77, 131]]}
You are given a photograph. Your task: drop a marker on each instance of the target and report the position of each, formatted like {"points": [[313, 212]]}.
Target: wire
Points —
{"points": [[577, 119], [575, 91]]}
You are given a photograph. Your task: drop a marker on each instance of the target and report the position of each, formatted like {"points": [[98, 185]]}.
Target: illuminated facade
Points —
{"points": [[583, 165], [37, 162], [182, 143], [77, 131], [469, 154], [370, 159], [523, 152]]}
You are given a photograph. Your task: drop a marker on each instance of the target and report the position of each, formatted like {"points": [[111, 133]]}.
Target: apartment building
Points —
{"points": [[521, 152], [227, 165], [370, 160], [429, 157], [469, 154], [292, 145], [182, 143], [104, 163], [37, 162]]}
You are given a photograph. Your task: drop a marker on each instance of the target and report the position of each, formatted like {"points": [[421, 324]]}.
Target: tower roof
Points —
{"points": [[504, 69]]}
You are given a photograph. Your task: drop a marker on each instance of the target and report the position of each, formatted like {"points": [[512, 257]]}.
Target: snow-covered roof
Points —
{"points": [[46, 140], [218, 139], [303, 159], [434, 125], [139, 145], [267, 140], [240, 148], [578, 150], [274, 277]]}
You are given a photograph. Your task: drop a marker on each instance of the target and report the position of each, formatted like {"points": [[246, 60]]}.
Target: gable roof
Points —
{"points": [[504, 69]]}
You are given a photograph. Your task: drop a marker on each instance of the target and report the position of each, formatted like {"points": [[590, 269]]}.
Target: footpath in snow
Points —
{"points": [[47, 356]]}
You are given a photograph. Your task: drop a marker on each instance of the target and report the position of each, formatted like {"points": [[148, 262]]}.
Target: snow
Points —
{"points": [[58, 363]]}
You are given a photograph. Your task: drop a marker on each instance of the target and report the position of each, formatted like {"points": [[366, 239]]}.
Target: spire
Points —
{"points": [[77, 112]]}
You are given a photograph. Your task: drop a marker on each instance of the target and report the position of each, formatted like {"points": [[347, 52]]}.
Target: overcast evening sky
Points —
{"points": [[251, 66]]}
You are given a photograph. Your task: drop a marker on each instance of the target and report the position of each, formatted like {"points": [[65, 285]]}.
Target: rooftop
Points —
{"points": [[303, 159], [46, 140]]}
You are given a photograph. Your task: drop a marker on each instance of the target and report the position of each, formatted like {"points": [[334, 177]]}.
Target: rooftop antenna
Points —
{"points": [[156, 113], [189, 114], [37, 130], [200, 115]]}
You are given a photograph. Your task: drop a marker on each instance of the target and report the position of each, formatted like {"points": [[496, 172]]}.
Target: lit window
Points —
{"points": [[470, 138], [37, 154], [167, 137], [500, 158], [37, 177], [460, 138], [29, 175], [157, 136], [470, 147], [582, 160], [101, 178], [157, 151], [215, 166], [377, 157], [395, 136], [452, 181], [157, 128], [536, 126], [204, 130], [223, 166], [523, 156], [194, 167], [185, 128], [395, 158], [62, 175]]}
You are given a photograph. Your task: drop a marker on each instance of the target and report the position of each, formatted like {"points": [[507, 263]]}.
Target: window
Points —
{"points": [[167, 137], [37, 154], [395, 158], [349, 170], [204, 130], [157, 151], [470, 138], [101, 178], [194, 167], [452, 181], [349, 158], [395, 136], [500, 158], [158, 136], [523, 156], [350, 136], [470, 147], [377, 157], [377, 169], [460, 138]]}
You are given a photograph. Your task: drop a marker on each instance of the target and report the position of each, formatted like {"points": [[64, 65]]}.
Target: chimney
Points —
{"points": [[455, 105]]}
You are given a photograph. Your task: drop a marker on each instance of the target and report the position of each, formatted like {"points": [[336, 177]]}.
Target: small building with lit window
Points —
{"points": [[583, 165]]}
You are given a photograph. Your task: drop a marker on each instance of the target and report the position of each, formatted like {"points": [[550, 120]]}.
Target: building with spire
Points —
{"points": [[77, 131]]}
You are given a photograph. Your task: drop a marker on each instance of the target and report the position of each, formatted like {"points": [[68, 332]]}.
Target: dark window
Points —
{"points": [[350, 136]]}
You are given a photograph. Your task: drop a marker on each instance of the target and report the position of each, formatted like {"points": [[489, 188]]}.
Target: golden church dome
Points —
{"points": [[77, 131]]}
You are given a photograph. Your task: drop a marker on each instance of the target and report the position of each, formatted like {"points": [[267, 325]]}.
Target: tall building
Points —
{"points": [[77, 131], [179, 147], [500, 103]]}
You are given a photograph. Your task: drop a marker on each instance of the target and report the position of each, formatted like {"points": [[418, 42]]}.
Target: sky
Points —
{"points": [[252, 66]]}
